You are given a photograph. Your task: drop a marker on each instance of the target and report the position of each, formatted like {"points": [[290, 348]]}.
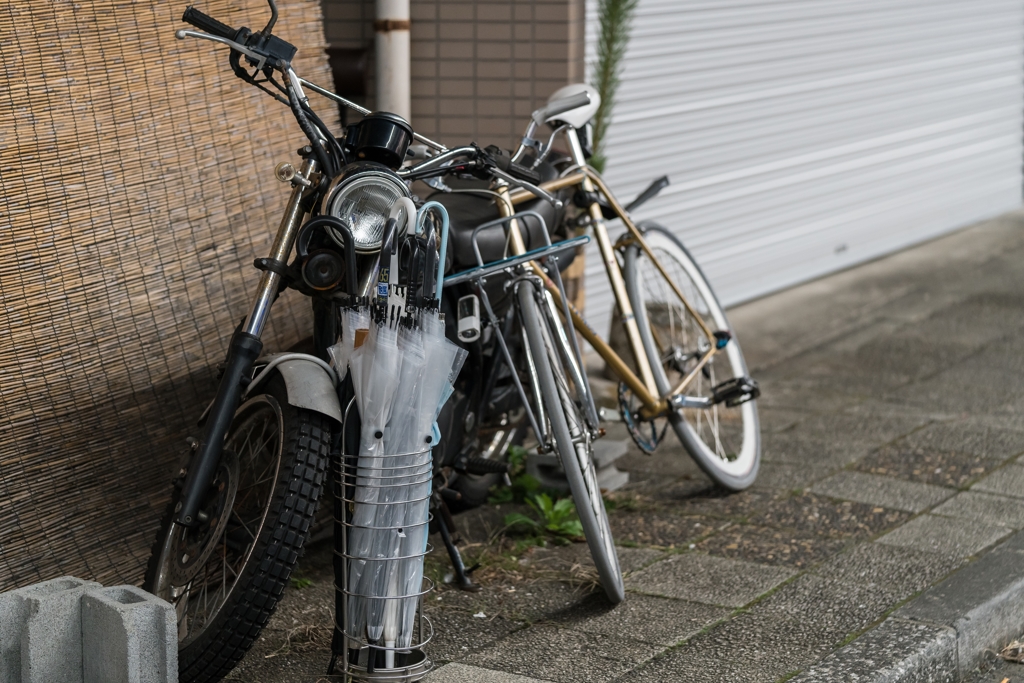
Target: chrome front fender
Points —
{"points": [[309, 381]]}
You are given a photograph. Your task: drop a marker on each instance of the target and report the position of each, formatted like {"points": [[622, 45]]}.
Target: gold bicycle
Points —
{"points": [[698, 378]]}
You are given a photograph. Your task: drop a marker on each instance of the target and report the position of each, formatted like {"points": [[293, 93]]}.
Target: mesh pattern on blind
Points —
{"points": [[137, 187]]}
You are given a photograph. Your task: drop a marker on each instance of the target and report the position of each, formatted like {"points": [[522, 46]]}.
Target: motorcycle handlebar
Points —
{"points": [[205, 22]]}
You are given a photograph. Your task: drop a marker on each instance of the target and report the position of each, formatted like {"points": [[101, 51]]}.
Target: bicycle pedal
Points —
{"points": [[735, 391]]}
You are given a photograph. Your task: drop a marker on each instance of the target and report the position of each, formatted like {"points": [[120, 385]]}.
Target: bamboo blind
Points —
{"points": [[137, 187]]}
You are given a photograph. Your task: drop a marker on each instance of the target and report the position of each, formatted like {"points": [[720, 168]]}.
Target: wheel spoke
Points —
{"points": [[254, 444], [716, 435]]}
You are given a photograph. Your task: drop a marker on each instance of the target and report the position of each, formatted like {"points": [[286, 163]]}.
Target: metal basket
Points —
{"points": [[370, 484]]}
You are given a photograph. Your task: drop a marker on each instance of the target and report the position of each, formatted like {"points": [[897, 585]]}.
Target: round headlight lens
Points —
{"points": [[364, 202]]}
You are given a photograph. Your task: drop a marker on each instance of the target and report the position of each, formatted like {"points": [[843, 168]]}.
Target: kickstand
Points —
{"points": [[445, 524]]}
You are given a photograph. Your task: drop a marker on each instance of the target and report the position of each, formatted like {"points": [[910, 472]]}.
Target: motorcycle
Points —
{"points": [[247, 492]]}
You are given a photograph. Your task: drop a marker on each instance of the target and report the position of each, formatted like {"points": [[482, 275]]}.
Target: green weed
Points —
{"points": [[557, 517]]}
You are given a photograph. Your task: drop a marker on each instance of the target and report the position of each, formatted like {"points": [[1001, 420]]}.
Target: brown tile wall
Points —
{"points": [[479, 67]]}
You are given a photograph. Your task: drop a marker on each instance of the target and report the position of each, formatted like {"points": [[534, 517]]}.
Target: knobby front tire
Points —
{"points": [[277, 455]]}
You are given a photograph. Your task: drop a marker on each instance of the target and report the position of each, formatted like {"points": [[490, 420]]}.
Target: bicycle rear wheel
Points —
{"points": [[571, 440], [724, 441]]}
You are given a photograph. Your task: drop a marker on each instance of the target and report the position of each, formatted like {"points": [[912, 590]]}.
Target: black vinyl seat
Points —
{"points": [[467, 210]]}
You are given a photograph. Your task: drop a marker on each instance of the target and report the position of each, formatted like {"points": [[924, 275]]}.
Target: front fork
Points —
{"points": [[244, 349]]}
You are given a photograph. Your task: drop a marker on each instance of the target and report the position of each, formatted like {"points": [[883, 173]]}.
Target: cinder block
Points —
{"points": [[128, 636], [41, 632]]}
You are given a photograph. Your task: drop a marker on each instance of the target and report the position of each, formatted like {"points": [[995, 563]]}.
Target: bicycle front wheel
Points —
{"points": [[724, 441], [571, 440]]}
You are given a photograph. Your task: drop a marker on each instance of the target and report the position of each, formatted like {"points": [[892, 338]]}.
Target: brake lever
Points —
{"points": [[536, 191], [183, 33]]}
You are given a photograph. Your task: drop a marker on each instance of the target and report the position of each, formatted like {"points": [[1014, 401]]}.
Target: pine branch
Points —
{"points": [[616, 16]]}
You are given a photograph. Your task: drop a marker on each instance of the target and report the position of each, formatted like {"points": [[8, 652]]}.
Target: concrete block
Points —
{"points": [[547, 468], [41, 632], [895, 652], [983, 603], [128, 636]]}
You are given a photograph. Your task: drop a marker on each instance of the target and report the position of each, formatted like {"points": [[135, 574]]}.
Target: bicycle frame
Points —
{"points": [[643, 387]]}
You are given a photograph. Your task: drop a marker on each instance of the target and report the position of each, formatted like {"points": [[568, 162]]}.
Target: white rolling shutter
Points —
{"points": [[803, 137]]}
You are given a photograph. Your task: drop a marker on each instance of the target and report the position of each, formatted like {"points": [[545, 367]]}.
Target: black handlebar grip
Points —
{"points": [[205, 22]]}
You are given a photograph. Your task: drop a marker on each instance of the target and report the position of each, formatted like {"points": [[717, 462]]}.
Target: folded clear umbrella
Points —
{"points": [[402, 370]]}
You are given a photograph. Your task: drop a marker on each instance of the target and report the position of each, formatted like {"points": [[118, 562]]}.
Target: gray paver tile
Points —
{"points": [[564, 656], [562, 559], [659, 621], [904, 570], [860, 426], [984, 507], [771, 546], [707, 579], [823, 611], [954, 469], [699, 497], [884, 491], [461, 673], [534, 601], [631, 559], [961, 537], [1008, 481], [658, 528], [788, 476], [811, 450], [972, 435], [978, 384], [746, 649], [828, 517], [458, 632]]}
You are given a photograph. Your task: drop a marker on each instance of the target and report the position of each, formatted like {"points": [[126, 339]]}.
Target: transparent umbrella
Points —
{"points": [[375, 365], [402, 369]]}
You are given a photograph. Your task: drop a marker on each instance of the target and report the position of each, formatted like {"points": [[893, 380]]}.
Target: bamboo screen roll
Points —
{"points": [[136, 187]]}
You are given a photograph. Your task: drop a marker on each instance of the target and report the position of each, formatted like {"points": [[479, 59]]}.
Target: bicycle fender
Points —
{"points": [[308, 386]]}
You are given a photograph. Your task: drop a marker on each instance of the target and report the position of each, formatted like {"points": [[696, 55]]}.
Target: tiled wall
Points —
{"points": [[479, 67]]}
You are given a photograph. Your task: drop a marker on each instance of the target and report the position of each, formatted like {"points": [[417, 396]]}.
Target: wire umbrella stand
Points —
{"points": [[405, 478]]}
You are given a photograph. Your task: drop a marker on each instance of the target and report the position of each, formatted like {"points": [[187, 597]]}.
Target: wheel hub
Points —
{"points": [[192, 547], [645, 433]]}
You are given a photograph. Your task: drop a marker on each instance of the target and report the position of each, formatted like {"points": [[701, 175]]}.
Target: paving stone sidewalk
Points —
{"points": [[892, 420]]}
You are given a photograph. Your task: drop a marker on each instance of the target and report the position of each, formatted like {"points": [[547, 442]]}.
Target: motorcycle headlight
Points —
{"points": [[364, 200]]}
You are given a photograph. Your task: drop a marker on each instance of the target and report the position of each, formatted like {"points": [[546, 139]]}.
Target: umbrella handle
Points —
{"points": [[437, 206]]}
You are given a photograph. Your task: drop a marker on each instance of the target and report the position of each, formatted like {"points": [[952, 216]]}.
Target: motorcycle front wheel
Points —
{"points": [[225, 577]]}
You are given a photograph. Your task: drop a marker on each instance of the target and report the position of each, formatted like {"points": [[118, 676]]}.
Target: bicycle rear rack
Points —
{"points": [[479, 275]]}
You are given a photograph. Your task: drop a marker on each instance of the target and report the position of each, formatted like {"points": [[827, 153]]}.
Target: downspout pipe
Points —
{"points": [[393, 58]]}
